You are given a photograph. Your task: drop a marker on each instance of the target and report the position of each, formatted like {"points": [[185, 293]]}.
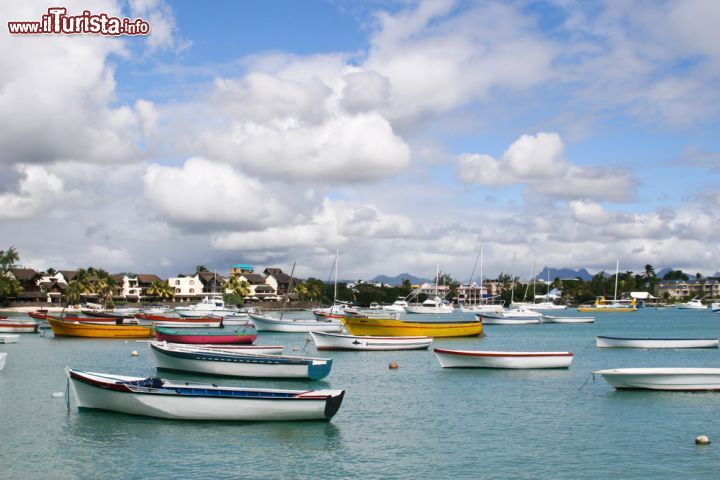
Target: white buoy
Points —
{"points": [[134, 353], [57, 394], [702, 440]]}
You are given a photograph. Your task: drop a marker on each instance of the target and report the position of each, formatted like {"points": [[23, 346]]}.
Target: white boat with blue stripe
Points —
{"points": [[157, 397], [189, 358]]}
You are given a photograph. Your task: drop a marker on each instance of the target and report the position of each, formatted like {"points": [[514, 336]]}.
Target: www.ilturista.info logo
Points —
{"points": [[58, 21]]}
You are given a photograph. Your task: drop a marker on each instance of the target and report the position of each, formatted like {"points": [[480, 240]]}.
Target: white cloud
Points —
{"points": [[334, 224], [203, 193], [37, 191], [539, 162]]}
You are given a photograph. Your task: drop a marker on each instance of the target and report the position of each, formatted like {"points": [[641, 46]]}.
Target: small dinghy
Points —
{"points": [[492, 359], [157, 397], [9, 338], [626, 342], [177, 322], [3, 357], [18, 326], [235, 347], [266, 323], [333, 341], [216, 361], [676, 379], [554, 319], [234, 335]]}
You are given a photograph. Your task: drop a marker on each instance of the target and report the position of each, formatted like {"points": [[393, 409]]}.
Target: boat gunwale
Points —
{"points": [[490, 353]]}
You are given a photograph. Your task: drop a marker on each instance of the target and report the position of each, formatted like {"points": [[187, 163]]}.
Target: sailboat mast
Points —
{"points": [[437, 278], [337, 264], [617, 272], [481, 274], [287, 294]]}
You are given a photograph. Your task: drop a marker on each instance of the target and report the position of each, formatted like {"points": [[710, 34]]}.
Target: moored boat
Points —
{"points": [[403, 328], [554, 319], [602, 305], [510, 360], [509, 317], [266, 323], [9, 338], [431, 306], [694, 304], [3, 357], [334, 341], [236, 347], [18, 326], [677, 379], [214, 305], [182, 322], [64, 328], [156, 397], [715, 307], [238, 364], [234, 335], [627, 342]]}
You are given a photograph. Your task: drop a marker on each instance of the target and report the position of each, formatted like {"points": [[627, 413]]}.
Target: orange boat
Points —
{"points": [[64, 328]]}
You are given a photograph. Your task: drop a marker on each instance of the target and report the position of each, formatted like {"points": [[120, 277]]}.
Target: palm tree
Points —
{"points": [[201, 268], [106, 287], [8, 259], [649, 272], [75, 290], [161, 290]]}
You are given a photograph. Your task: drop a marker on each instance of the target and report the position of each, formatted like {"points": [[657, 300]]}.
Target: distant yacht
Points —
{"points": [[431, 305], [694, 304], [397, 306]]}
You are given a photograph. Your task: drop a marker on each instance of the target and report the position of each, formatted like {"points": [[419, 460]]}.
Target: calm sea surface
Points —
{"points": [[419, 421]]}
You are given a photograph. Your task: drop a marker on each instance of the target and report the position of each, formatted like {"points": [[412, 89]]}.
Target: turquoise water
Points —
{"points": [[419, 421]]}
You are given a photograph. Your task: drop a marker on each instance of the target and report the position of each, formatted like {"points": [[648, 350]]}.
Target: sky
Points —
{"points": [[404, 135]]}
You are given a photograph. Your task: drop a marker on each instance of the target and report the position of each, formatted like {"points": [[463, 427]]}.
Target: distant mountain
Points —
{"points": [[563, 274], [398, 279], [663, 272]]}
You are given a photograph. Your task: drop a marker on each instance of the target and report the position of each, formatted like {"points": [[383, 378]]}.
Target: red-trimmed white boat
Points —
{"points": [[239, 348], [626, 342], [177, 322], [334, 341], [554, 319], [493, 359], [677, 379], [157, 397], [266, 323], [18, 326]]}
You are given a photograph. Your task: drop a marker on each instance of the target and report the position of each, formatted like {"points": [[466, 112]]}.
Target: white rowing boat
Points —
{"points": [[157, 397], [333, 341], [236, 364], [9, 338], [493, 359], [554, 319], [678, 379], [266, 323], [626, 342]]}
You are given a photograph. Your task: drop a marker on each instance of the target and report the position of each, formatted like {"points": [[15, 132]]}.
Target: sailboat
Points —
{"points": [[603, 305], [434, 305], [484, 305], [267, 323], [337, 309], [510, 316], [546, 304]]}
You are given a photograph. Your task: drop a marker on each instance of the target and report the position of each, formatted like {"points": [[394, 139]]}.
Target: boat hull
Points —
{"points": [[197, 336], [330, 341], [675, 379], [553, 319], [401, 328], [201, 402], [508, 321], [269, 324], [239, 348], [9, 338], [62, 328], [622, 342], [182, 322], [3, 358], [235, 364], [13, 326], [508, 360]]}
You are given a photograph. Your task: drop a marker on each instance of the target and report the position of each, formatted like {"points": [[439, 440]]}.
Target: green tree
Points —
{"points": [[161, 290], [9, 286], [201, 268]]}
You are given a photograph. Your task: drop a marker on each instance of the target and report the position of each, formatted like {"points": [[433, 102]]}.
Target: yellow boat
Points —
{"points": [[400, 328], [62, 328], [610, 306]]}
